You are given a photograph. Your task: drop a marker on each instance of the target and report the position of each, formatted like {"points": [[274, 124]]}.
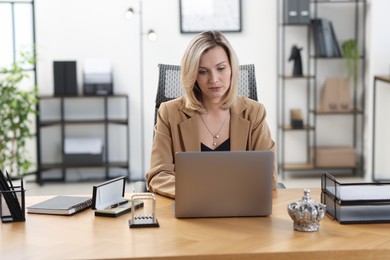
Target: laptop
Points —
{"points": [[223, 184]]}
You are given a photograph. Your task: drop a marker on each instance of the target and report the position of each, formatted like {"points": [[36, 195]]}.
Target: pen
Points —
{"points": [[118, 204]]}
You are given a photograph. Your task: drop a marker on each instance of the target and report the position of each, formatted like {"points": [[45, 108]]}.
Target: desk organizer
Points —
{"points": [[12, 208], [351, 203], [144, 220]]}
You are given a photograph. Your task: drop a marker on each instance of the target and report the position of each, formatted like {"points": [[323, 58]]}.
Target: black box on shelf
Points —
{"points": [[296, 11], [83, 159], [65, 78], [352, 203]]}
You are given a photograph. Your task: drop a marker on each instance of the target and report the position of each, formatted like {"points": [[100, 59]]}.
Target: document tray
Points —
{"points": [[351, 203]]}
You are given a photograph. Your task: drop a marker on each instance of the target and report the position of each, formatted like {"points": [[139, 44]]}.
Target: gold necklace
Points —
{"points": [[215, 136]]}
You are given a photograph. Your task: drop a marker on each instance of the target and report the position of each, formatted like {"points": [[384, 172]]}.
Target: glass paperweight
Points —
{"points": [[306, 213]]}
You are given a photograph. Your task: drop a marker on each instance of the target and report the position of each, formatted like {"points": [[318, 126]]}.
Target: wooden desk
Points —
{"points": [[84, 236]]}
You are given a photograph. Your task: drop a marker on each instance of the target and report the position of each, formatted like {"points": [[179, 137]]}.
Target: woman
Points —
{"points": [[210, 116]]}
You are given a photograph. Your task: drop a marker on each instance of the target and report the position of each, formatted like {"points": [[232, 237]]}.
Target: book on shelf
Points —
{"points": [[325, 40], [61, 205], [336, 52]]}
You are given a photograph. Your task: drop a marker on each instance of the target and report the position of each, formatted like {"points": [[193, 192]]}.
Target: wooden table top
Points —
{"points": [[84, 236]]}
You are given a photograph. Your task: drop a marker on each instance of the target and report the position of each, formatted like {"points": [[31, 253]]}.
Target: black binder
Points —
{"points": [[325, 41], [296, 11], [65, 78], [336, 48], [318, 37]]}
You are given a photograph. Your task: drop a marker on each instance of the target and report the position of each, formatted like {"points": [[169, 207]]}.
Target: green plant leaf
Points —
{"points": [[17, 106], [351, 56]]}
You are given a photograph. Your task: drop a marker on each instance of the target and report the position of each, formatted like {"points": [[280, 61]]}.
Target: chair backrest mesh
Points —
{"points": [[247, 81], [169, 83]]}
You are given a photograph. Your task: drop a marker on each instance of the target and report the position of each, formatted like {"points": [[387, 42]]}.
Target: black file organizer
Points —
{"points": [[12, 207], [353, 203]]}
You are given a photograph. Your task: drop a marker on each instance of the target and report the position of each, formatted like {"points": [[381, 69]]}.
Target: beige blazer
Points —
{"points": [[176, 130]]}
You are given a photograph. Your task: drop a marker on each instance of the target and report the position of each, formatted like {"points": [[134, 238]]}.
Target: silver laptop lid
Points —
{"points": [[223, 184]]}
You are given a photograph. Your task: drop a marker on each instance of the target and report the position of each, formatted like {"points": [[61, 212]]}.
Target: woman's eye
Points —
{"points": [[202, 72], [221, 69]]}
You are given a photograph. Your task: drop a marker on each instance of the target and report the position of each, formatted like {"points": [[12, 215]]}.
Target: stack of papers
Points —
{"points": [[83, 146]]}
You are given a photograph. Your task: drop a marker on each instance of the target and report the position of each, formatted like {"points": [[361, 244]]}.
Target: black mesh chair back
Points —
{"points": [[169, 83]]}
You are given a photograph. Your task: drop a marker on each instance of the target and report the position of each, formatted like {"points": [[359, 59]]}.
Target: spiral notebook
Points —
{"points": [[61, 205]]}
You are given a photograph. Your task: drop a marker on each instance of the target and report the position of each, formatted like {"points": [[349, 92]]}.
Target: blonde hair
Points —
{"points": [[200, 44]]}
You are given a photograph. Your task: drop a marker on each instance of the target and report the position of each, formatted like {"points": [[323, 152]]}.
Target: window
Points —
{"points": [[18, 35], [16, 30]]}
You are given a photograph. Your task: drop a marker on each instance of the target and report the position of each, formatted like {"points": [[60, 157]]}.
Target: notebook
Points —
{"points": [[223, 184], [61, 205]]}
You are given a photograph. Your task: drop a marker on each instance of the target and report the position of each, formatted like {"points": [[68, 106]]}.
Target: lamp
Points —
{"points": [[129, 14], [152, 36]]}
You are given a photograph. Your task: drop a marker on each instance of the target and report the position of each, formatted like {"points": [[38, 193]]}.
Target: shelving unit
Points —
{"points": [[297, 148], [93, 116]]}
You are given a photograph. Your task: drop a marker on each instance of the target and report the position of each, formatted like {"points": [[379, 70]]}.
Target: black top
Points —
{"points": [[225, 146]]}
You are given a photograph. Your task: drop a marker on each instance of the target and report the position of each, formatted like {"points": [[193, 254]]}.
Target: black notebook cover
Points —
{"points": [[61, 205]]}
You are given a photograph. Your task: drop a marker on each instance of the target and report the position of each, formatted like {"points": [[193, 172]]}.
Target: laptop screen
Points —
{"points": [[223, 184]]}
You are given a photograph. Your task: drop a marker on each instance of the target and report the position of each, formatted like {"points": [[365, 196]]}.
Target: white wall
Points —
{"points": [[76, 30], [378, 55]]}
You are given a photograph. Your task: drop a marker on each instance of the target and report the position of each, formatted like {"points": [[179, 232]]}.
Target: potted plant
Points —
{"points": [[351, 56], [18, 108]]}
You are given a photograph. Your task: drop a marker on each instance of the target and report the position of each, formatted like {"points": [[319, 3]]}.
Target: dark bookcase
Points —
{"points": [[300, 149], [75, 112]]}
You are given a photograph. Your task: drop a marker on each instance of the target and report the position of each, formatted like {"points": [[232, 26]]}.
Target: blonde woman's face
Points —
{"points": [[214, 74]]}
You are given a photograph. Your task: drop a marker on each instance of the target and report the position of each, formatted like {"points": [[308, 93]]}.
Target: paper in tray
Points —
{"points": [[356, 202], [360, 192], [354, 214]]}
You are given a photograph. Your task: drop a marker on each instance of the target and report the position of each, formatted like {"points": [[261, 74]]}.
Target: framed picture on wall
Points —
{"points": [[202, 15]]}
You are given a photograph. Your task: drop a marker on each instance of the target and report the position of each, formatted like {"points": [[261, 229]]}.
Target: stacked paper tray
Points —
{"points": [[356, 202]]}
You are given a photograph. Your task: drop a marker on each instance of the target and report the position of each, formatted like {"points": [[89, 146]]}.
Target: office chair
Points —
{"points": [[169, 83]]}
